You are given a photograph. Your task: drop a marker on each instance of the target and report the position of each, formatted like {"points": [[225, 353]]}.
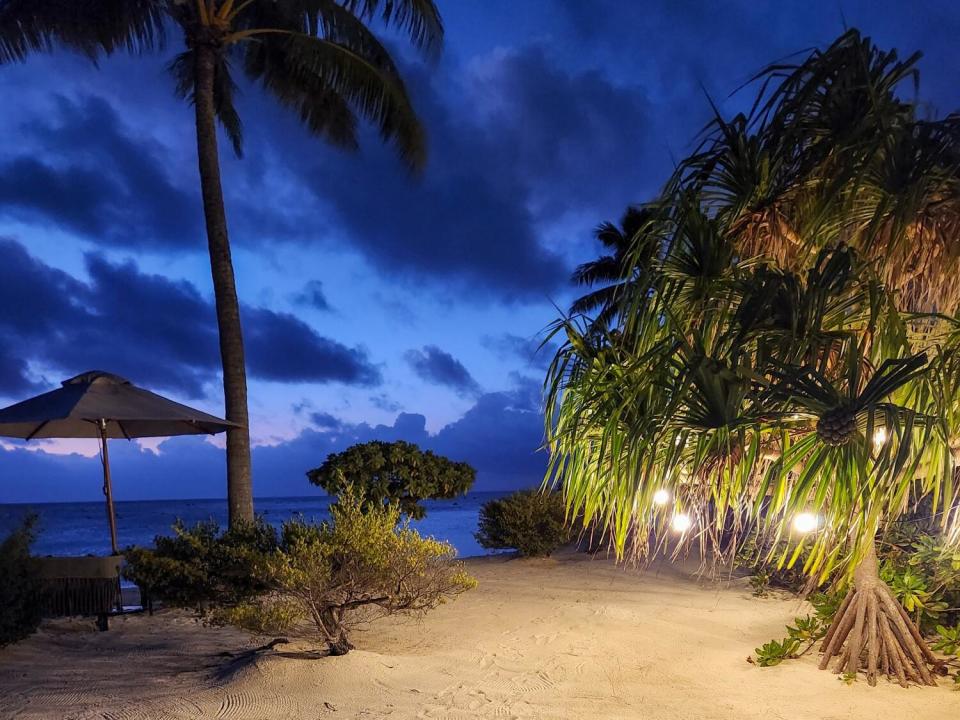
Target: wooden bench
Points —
{"points": [[81, 586]]}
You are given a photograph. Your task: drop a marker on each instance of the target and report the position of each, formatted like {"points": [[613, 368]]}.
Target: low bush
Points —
{"points": [[326, 580], [20, 584], [201, 567], [805, 632], [530, 522]]}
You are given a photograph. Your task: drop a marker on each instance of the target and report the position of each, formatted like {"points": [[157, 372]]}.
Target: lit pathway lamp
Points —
{"points": [[100, 405]]}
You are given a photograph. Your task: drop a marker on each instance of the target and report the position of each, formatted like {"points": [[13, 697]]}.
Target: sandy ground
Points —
{"points": [[570, 637]]}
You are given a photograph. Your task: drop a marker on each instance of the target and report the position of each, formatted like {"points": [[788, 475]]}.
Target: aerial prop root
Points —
{"points": [[872, 633]]}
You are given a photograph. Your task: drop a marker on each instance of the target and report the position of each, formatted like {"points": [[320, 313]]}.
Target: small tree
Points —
{"points": [[787, 362], [532, 523], [328, 579], [381, 472]]}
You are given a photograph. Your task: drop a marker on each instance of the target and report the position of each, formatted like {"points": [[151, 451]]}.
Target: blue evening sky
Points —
{"points": [[376, 304]]}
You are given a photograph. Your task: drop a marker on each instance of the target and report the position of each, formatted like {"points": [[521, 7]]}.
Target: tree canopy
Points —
{"points": [[384, 472], [783, 356]]}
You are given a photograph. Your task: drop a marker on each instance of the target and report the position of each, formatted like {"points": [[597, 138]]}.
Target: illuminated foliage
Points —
{"points": [[792, 347]]}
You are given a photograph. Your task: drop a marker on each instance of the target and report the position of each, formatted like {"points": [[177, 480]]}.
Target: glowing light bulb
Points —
{"points": [[879, 437], [805, 522], [681, 522]]}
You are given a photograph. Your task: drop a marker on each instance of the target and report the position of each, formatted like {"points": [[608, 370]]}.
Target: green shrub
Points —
{"points": [[20, 584], [530, 522], [805, 632], [923, 571], [365, 563], [775, 652], [199, 567]]}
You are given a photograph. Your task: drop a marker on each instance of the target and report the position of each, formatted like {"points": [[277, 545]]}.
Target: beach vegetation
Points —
{"points": [[804, 634], [783, 356], [320, 60], [923, 573], [776, 651], [380, 473], [21, 587], [948, 640], [531, 522], [201, 566], [366, 562]]}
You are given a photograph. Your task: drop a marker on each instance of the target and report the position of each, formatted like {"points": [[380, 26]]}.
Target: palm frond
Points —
{"points": [[93, 29], [420, 19], [322, 80]]}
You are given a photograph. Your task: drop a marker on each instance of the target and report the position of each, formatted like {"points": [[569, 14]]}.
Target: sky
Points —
{"points": [[376, 304]]}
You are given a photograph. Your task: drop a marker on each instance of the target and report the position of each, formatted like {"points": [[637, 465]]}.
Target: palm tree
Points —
{"points": [[613, 272], [317, 57], [794, 350]]}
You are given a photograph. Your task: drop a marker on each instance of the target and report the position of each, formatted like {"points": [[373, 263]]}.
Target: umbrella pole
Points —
{"points": [[108, 487]]}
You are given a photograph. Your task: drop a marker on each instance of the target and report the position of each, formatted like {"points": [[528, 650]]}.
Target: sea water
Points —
{"points": [[81, 528]]}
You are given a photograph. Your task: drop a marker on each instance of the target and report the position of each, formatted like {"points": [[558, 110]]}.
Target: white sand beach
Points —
{"points": [[567, 637]]}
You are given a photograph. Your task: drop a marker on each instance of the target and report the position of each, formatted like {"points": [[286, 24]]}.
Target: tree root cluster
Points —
{"points": [[871, 632]]}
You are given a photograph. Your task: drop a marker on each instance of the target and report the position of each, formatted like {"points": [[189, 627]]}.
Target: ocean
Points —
{"points": [[80, 528]]}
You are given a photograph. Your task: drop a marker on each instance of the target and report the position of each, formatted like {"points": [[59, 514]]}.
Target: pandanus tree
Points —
{"points": [[316, 57], [786, 368]]}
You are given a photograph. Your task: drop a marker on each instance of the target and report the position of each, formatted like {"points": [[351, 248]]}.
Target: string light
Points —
{"points": [[879, 437], [681, 522], [661, 497], [806, 522]]}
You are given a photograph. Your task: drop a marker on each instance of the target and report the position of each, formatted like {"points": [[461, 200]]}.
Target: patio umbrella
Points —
{"points": [[99, 405]]}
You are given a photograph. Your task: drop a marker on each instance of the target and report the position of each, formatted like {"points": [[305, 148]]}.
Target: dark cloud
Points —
{"points": [[511, 138], [312, 295], [530, 350], [282, 347], [510, 143], [154, 330], [325, 421], [97, 178], [501, 436], [688, 48], [14, 374], [385, 402], [437, 367]]}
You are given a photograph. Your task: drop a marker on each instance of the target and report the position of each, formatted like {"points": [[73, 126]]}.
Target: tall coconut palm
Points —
{"points": [[610, 275], [794, 349], [316, 57]]}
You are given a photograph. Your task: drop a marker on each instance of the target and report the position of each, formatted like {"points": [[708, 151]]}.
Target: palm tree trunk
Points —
{"points": [[871, 632], [239, 480]]}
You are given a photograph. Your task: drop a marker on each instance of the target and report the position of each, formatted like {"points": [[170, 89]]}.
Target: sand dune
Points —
{"points": [[570, 637]]}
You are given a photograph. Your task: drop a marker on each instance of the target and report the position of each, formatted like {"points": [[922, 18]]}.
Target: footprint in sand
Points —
{"points": [[545, 639]]}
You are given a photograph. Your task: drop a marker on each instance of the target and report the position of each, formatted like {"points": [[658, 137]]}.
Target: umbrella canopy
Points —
{"points": [[100, 405], [85, 403]]}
